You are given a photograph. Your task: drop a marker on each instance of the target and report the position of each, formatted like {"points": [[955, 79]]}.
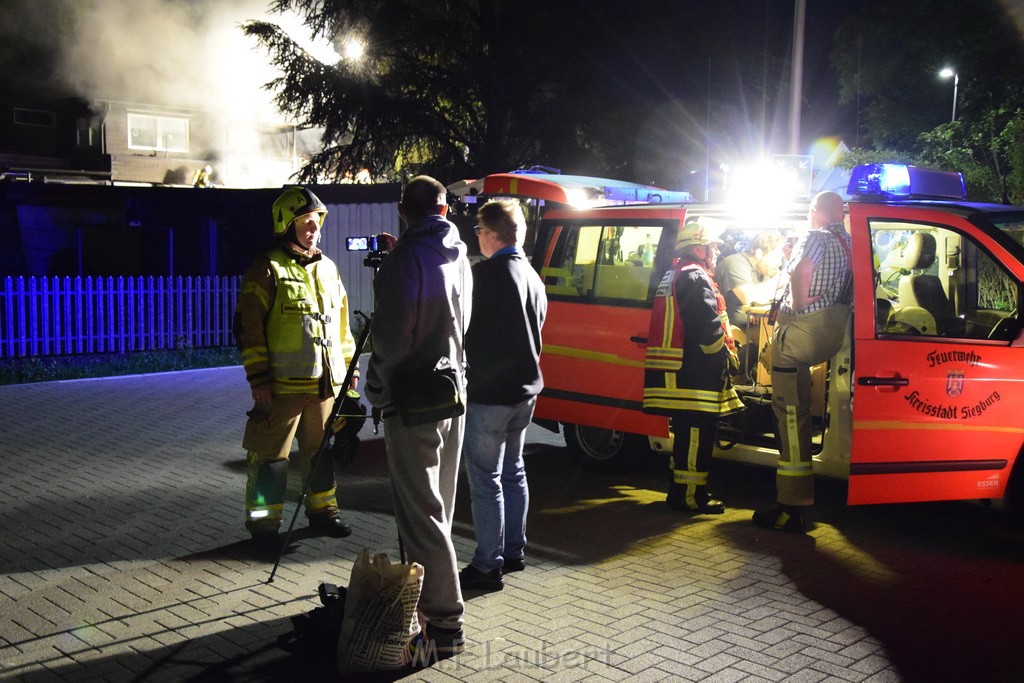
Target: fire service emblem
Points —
{"points": [[954, 383]]}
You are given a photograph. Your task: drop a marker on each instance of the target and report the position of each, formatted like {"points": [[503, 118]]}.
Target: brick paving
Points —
{"points": [[123, 558]]}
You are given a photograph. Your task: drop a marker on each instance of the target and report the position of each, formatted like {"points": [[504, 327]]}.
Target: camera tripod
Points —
{"points": [[326, 440]]}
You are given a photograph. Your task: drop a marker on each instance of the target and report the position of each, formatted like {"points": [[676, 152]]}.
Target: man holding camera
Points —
{"points": [[424, 292], [291, 326]]}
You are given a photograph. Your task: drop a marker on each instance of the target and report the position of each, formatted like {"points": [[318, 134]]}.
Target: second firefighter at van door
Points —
{"points": [[811, 327], [690, 353], [748, 278]]}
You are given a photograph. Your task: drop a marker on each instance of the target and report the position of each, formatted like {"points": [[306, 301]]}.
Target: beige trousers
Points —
{"points": [[798, 344]]}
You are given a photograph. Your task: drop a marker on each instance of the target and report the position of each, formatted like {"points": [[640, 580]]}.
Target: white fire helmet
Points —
{"points": [[700, 230]]}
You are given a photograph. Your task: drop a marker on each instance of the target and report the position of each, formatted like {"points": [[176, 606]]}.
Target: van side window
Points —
{"points": [[932, 281], [598, 261], [567, 257], [627, 262]]}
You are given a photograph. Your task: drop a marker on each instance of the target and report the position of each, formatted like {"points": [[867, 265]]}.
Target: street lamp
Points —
{"points": [[946, 73]]}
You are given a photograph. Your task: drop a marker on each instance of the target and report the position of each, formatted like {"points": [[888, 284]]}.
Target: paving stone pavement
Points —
{"points": [[123, 558]]}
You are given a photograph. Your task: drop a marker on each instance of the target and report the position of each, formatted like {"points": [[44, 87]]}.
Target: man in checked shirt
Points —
{"points": [[810, 329]]}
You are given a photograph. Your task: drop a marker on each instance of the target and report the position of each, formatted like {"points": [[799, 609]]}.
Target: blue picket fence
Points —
{"points": [[78, 315]]}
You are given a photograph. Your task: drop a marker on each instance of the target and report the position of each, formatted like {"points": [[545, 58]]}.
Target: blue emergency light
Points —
{"points": [[900, 181]]}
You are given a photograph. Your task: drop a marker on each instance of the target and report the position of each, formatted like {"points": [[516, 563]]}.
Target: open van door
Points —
{"points": [[601, 269], [938, 390]]}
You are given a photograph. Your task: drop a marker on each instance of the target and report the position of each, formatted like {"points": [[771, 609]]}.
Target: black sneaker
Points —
{"points": [[329, 525], [782, 518], [513, 565], [472, 578], [447, 641]]}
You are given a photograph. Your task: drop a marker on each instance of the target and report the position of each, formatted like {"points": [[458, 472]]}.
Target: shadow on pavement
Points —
{"points": [[262, 655], [910, 575]]}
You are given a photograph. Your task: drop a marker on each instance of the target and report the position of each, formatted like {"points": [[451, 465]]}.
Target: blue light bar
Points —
{"points": [[900, 181]]}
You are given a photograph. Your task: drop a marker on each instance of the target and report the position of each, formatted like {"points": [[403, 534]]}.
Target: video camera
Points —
{"points": [[375, 244]]}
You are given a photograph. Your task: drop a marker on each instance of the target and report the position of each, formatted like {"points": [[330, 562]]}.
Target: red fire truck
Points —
{"points": [[923, 402]]}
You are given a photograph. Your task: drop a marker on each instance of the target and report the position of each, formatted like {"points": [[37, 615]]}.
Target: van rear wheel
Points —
{"points": [[607, 451]]}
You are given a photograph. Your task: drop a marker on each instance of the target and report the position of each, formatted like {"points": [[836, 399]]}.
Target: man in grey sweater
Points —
{"points": [[424, 294]]}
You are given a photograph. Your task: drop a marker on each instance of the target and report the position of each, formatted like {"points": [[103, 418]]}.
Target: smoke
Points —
{"points": [[183, 53]]}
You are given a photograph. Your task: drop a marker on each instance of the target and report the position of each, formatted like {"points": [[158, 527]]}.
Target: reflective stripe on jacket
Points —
{"points": [[687, 360], [665, 336]]}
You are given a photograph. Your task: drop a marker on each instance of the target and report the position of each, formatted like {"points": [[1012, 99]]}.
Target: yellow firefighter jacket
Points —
{"points": [[292, 323]]}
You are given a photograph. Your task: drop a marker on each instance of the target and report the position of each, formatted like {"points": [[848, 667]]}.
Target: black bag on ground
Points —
{"points": [[316, 632], [430, 395]]}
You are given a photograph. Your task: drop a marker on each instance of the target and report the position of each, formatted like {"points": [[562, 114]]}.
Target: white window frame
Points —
{"points": [[165, 126]]}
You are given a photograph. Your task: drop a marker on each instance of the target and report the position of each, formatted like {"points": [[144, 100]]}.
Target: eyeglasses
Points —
{"points": [[476, 229]]}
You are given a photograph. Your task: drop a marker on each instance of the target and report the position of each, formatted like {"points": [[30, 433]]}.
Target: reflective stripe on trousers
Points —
{"points": [[799, 343], [694, 440]]}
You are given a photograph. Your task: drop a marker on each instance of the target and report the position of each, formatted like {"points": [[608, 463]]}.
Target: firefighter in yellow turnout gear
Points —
{"points": [[292, 328], [689, 354]]}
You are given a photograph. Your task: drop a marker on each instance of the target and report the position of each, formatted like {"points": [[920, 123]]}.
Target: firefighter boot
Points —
{"points": [[782, 518], [329, 524], [693, 499], [264, 500], [322, 503]]}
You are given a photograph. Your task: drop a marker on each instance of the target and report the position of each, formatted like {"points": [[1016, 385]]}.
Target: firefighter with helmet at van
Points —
{"points": [[686, 368], [292, 328]]}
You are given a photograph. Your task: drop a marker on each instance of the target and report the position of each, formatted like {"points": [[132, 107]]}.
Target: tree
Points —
{"points": [[891, 65], [451, 87], [459, 88]]}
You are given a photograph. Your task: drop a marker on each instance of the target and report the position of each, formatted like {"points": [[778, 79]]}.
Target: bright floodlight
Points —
{"points": [[761, 191], [353, 49], [580, 198], [947, 73]]}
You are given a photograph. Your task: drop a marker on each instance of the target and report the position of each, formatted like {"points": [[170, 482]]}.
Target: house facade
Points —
{"points": [[114, 142]]}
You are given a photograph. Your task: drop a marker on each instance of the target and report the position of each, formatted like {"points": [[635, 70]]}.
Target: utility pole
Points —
{"points": [[797, 76], [707, 141]]}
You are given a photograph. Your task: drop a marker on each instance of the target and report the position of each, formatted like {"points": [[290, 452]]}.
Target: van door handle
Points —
{"points": [[883, 381], [638, 340]]}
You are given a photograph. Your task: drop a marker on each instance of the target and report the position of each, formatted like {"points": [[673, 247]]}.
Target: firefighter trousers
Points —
{"points": [[799, 343], [268, 442], [694, 436]]}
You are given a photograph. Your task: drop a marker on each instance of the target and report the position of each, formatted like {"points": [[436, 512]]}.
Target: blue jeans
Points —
{"points": [[493, 455]]}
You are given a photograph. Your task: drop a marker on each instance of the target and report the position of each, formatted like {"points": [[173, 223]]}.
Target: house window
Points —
{"points": [[34, 117], [157, 133]]}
